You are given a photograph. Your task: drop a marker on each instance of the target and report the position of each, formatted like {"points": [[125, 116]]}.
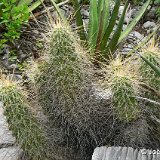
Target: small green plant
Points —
{"points": [[13, 14], [12, 18], [25, 127]]}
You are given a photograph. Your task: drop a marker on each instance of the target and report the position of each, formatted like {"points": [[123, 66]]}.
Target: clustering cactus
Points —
{"points": [[124, 96], [25, 127]]}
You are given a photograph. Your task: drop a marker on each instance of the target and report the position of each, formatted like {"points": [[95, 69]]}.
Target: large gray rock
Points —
{"points": [[6, 137], [149, 25], [10, 153], [124, 153]]}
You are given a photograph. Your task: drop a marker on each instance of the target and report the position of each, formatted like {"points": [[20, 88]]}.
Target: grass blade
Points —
{"points": [[79, 20], [93, 24], [58, 10], [113, 43], [155, 68], [111, 25], [134, 21], [24, 2], [35, 5]]}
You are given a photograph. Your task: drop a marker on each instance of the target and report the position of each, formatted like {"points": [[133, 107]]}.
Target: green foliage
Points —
{"points": [[13, 14], [13, 17], [101, 37], [25, 127]]}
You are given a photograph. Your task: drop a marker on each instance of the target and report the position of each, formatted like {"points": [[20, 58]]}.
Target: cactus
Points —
{"points": [[63, 89], [62, 79], [124, 95], [152, 53], [25, 127]]}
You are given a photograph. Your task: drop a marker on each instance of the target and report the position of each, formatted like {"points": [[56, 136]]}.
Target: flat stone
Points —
{"points": [[130, 154], [5, 135], [154, 157], [10, 153], [117, 153], [99, 153], [149, 24], [139, 155], [124, 153], [135, 154]]}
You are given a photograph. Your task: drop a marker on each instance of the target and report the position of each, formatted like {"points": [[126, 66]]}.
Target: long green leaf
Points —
{"points": [[106, 15], [155, 68], [35, 5], [58, 11], [79, 20], [113, 43], [25, 2], [111, 25], [134, 21], [103, 14], [93, 24]]}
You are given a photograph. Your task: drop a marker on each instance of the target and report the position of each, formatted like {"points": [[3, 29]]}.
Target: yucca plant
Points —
{"points": [[24, 126], [124, 91], [100, 35]]}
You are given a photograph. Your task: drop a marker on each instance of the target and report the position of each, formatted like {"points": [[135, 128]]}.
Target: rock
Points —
{"points": [[127, 48], [13, 66], [127, 16], [7, 149], [148, 25], [85, 13], [6, 137], [151, 14], [135, 35], [35, 31], [102, 95], [10, 153], [5, 50], [138, 35], [124, 153], [121, 8]]}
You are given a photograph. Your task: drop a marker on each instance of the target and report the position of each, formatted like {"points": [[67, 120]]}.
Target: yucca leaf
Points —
{"points": [[103, 21], [155, 68], [24, 2], [134, 21], [113, 43], [103, 14], [93, 24], [106, 15], [111, 25], [79, 20], [35, 5], [58, 11]]}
